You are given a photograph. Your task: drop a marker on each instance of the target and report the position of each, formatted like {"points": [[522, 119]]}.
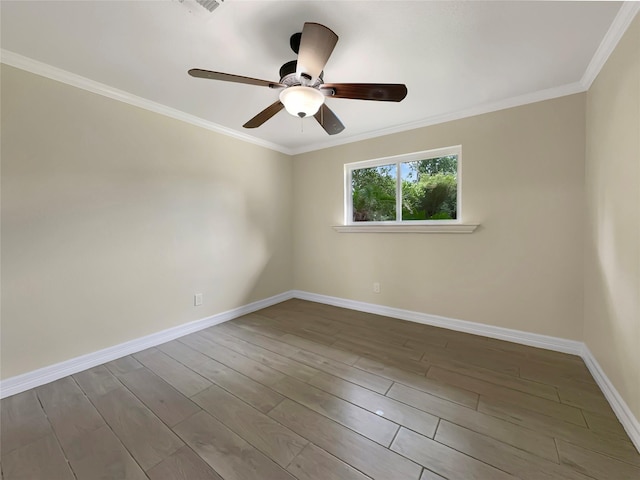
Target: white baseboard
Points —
{"points": [[20, 383], [516, 336], [42, 376], [619, 406]]}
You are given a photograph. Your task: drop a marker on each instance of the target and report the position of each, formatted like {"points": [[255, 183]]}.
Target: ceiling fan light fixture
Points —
{"points": [[301, 101]]}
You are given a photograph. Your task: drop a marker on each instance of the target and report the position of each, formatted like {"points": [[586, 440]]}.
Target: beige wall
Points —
{"points": [[523, 181], [113, 217], [612, 250]]}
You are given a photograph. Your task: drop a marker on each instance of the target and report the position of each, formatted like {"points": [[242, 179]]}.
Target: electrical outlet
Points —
{"points": [[376, 287], [197, 299]]}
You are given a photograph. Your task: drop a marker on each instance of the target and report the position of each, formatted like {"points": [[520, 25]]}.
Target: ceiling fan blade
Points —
{"points": [[328, 120], [227, 77], [264, 115], [383, 92], [316, 45]]}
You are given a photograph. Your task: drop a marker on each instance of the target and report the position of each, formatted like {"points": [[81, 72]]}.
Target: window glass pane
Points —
{"points": [[430, 188], [373, 193]]}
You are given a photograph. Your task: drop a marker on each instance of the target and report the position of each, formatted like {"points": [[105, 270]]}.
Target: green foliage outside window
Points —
{"points": [[374, 194], [428, 189]]}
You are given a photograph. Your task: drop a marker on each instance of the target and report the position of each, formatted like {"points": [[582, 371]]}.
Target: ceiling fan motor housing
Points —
{"points": [[289, 78]]}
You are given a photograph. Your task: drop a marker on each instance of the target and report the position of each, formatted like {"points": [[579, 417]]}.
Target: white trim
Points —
{"points": [[533, 97], [404, 228], [517, 336], [42, 376], [397, 160], [618, 27], [39, 68], [20, 383], [24, 63], [619, 406], [625, 15]]}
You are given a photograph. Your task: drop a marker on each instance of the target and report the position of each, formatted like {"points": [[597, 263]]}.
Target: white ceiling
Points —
{"points": [[454, 57]]}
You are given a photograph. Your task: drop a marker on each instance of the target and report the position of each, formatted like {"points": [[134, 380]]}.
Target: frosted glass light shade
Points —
{"points": [[301, 101]]}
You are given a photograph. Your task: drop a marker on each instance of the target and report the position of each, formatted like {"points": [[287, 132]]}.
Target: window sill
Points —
{"points": [[445, 228]]}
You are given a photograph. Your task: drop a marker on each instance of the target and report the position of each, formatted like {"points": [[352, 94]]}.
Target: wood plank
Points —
{"points": [[621, 449], [346, 372], [378, 346], [594, 464], [274, 440], [232, 370], [605, 424], [434, 387], [319, 349], [313, 463], [183, 379], [359, 452], [277, 362], [558, 376], [389, 358], [392, 338], [22, 421], [259, 325], [524, 438], [70, 412], [99, 454], [250, 368], [442, 459], [183, 354], [537, 354], [144, 435], [521, 354], [550, 408], [161, 398], [97, 381], [305, 320], [429, 475], [39, 460], [248, 390], [341, 315], [183, 465], [123, 365], [591, 399], [263, 341], [279, 327], [542, 390], [227, 453], [360, 420], [505, 457], [386, 407], [436, 355]]}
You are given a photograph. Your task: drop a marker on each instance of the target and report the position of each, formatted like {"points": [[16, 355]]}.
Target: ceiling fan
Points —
{"points": [[302, 86]]}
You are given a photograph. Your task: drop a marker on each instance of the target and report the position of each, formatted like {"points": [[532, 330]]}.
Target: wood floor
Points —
{"points": [[307, 391]]}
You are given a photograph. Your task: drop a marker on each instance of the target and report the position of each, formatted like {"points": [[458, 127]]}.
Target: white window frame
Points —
{"points": [[405, 225]]}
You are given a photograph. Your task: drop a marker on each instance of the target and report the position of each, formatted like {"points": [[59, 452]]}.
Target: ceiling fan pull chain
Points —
{"points": [[301, 124]]}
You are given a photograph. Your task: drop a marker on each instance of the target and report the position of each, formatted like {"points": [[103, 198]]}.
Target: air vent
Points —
{"points": [[210, 5], [200, 8]]}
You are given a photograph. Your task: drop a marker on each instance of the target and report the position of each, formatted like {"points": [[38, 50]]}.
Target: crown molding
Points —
{"points": [[45, 70], [533, 97], [620, 23]]}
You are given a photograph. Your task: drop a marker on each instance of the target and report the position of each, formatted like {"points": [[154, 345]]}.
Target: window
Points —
{"points": [[420, 188]]}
